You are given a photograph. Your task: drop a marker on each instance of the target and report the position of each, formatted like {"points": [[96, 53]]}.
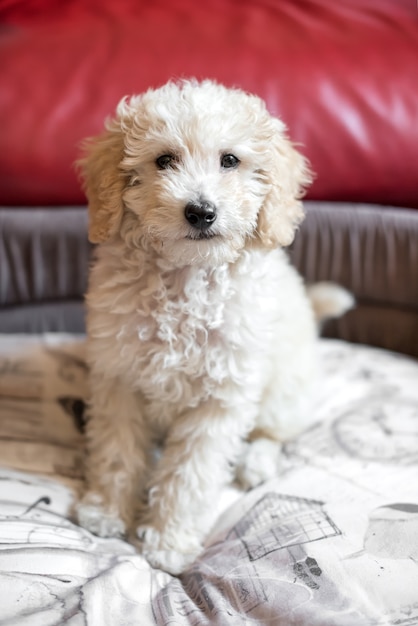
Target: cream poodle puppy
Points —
{"points": [[201, 336]]}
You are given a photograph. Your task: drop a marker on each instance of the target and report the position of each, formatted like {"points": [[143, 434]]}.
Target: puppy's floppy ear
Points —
{"points": [[287, 174], [104, 181]]}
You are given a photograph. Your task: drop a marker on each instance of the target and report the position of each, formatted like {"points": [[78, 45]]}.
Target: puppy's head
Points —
{"points": [[195, 170]]}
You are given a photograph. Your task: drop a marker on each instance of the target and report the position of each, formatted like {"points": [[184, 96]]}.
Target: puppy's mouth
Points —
{"points": [[201, 236]]}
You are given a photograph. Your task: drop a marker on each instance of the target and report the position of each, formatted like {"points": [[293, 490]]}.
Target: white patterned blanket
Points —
{"points": [[332, 542]]}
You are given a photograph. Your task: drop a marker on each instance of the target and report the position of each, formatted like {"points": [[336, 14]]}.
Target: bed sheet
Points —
{"points": [[332, 541]]}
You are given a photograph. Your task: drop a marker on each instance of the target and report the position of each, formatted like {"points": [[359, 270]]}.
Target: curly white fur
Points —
{"points": [[199, 338]]}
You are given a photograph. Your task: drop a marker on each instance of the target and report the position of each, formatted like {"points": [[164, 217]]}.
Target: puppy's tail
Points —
{"points": [[329, 300]]}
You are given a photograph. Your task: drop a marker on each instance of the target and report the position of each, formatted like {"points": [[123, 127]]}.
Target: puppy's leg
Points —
{"points": [[260, 461], [197, 462], [285, 412], [116, 460]]}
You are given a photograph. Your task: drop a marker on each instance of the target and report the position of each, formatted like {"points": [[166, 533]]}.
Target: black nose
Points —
{"points": [[200, 214]]}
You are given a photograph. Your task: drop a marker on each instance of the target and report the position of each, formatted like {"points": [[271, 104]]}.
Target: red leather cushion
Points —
{"points": [[343, 76]]}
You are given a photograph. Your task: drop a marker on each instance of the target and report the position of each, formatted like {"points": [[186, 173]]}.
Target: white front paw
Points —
{"points": [[162, 556], [261, 462], [94, 516]]}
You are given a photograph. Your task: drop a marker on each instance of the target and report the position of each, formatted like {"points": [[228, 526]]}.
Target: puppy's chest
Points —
{"points": [[181, 325], [179, 332]]}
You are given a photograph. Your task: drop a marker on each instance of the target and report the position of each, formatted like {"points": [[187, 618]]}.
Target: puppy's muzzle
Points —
{"points": [[200, 214]]}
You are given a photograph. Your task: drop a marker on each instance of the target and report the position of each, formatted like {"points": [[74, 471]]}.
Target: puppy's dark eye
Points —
{"points": [[165, 161], [229, 161]]}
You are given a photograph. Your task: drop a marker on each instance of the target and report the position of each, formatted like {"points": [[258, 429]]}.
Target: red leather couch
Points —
{"points": [[342, 75]]}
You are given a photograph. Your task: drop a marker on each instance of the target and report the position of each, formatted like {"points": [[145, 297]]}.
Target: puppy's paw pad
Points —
{"points": [[260, 462], [93, 516]]}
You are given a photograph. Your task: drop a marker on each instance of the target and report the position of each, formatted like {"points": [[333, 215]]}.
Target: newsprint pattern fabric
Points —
{"points": [[333, 541]]}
